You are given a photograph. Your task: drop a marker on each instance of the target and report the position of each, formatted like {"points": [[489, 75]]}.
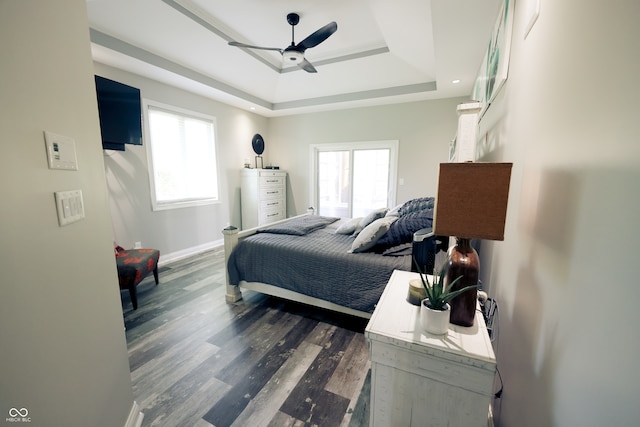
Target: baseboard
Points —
{"points": [[175, 256], [135, 416]]}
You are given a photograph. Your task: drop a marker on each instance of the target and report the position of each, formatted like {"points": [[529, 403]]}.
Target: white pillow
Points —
{"points": [[368, 237], [371, 216], [395, 211], [348, 226]]}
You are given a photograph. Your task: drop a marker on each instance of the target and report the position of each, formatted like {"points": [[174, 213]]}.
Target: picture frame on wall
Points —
{"points": [[452, 150], [494, 68]]}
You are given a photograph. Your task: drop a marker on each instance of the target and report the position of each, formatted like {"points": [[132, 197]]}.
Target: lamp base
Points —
{"points": [[463, 261]]}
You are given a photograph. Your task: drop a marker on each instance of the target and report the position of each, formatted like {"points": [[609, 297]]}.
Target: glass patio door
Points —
{"points": [[354, 180]]}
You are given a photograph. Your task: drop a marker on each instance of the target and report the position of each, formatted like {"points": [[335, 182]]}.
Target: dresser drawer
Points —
{"points": [[263, 197], [270, 215], [272, 180], [270, 193], [459, 371], [272, 204]]}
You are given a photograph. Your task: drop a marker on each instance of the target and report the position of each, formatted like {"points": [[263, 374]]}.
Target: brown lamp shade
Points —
{"points": [[472, 200]]}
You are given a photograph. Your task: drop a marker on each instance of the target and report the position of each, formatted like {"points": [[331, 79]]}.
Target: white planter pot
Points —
{"points": [[435, 322]]}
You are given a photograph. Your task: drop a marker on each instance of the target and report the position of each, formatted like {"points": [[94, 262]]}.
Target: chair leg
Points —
{"points": [[155, 274], [134, 297]]}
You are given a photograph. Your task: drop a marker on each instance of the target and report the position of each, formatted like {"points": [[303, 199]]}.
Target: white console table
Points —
{"points": [[418, 379]]}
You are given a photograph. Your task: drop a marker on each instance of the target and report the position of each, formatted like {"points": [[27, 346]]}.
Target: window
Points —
{"points": [[352, 179], [182, 157]]}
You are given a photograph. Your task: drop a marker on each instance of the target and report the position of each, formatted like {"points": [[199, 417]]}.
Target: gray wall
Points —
{"points": [[565, 275], [63, 353], [177, 232], [423, 130]]}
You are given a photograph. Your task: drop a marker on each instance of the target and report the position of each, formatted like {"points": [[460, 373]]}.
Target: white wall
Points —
{"points": [[63, 353], [177, 232], [423, 130], [566, 276]]}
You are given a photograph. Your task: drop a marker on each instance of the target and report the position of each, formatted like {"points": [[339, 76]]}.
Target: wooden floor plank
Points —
{"points": [[165, 371], [227, 409], [359, 417], [264, 406], [192, 354], [242, 322], [257, 343], [309, 401], [182, 403], [283, 420], [350, 372], [184, 328]]}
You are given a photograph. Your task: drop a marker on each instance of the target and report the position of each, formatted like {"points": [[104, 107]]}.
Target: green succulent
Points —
{"points": [[438, 294]]}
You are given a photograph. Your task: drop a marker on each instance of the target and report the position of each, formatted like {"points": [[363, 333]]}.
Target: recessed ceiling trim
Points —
{"points": [[199, 20], [150, 58], [191, 14], [143, 55], [357, 96]]}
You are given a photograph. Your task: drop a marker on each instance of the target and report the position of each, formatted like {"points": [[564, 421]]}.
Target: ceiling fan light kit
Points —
{"points": [[292, 57], [294, 53]]}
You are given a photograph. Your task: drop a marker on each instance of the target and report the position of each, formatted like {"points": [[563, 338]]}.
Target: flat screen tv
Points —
{"points": [[120, 112]]}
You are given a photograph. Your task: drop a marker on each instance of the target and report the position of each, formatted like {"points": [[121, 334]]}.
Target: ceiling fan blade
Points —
{"points": [[238, 44], [317, 37], [306, 65]]}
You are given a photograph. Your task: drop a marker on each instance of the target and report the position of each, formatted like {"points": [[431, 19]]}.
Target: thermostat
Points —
{"points": [[61, 151]]}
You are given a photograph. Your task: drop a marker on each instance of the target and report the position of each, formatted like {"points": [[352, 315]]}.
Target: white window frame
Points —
{"points": [[391, 145], [158, 206]]}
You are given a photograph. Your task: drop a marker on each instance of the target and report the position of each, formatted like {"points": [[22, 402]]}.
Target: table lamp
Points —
{"points": [[471, 204]]}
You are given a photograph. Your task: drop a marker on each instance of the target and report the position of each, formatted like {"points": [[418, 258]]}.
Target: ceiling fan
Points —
{"points": [[294, 53]]}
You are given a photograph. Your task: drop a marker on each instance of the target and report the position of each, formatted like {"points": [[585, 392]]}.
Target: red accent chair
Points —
{"points": [[133, 266]]}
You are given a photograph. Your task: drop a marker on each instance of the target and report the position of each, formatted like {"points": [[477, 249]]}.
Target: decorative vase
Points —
{"points": [[463, 261], [435, 322]]}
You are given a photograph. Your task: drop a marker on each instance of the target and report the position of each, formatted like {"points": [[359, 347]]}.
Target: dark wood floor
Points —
{"points": [[197, 361]]}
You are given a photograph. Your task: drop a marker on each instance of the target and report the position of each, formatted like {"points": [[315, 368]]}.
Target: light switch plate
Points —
{"points": [[61, 151], [70, 206]]}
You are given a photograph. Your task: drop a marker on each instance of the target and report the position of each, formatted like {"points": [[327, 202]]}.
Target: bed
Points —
{"points": [[334, 263]]}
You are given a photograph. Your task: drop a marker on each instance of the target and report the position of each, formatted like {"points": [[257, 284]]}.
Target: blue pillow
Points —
{"points": [[401, 231], [415, 205]]}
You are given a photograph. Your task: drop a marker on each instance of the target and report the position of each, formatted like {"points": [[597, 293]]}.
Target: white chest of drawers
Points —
{"points": [[263, 197], [418, 379]]}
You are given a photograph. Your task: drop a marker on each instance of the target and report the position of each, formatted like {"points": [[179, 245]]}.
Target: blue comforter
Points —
{"points": [[316, 263]]}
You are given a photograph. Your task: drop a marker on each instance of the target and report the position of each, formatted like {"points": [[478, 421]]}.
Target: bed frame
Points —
{"points": [[232, 236]]}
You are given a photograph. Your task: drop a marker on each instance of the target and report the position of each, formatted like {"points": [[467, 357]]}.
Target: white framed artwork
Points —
{"points": [[531, 12], [495, 63]]}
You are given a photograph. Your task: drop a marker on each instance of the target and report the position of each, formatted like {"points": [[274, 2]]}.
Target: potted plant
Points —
{"points": [[435, 310]]}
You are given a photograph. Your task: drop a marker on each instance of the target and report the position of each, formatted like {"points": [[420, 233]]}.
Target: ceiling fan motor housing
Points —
{"points": [[292, 57], [294, 54]]}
